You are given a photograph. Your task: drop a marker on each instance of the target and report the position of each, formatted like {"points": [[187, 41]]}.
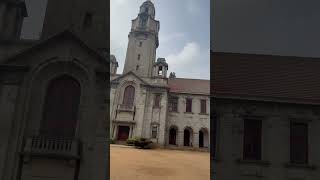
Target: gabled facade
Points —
{"points": [[53, 117], [146, 103], [266, 117]]}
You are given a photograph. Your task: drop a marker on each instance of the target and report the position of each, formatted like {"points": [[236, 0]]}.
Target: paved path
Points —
{"points": [[158, 164]]}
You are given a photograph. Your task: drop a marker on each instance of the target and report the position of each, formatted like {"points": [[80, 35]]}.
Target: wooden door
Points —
{"points": [[123, 133]]}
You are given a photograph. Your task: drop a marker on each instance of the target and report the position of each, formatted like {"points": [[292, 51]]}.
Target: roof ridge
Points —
{"points": [[266, 55], [190, 79]]}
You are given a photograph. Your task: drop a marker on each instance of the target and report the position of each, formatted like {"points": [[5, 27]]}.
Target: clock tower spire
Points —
{"points": [[143, 42]]}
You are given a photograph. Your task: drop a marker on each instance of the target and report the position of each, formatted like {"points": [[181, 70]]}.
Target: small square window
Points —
{"points": [[139, 56], [140, 44], [87, 20]]}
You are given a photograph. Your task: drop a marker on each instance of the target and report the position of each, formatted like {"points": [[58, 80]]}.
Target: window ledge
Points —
{"points": [[173, 111], [203, 114], [296, 165], [188, 112], [257, 162]]}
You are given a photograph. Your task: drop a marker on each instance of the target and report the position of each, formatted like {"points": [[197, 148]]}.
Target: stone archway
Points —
{"points": [[173, 135], [203, 138], [187, 136]]}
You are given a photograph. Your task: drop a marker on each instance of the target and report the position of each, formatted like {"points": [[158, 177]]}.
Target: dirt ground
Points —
{"points": [[158, 164]]}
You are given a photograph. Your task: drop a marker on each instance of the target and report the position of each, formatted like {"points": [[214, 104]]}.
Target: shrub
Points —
{"points": [[143, 143], [131, 141]]}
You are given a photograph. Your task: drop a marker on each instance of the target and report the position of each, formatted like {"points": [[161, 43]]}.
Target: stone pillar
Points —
{"points": [[180, 138], [156, 71], [165, 72], [11, 18], [195, 142], [8, 95], [131, 129], [115, 132], [2, 15]]}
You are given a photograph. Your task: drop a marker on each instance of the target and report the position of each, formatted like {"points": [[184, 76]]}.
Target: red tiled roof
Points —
{"points": [[265, 76], [190, 86]]}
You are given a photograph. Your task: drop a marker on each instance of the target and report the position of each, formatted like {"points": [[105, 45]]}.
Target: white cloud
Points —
{"points": [[120, 2], [187, 55], [170, 37], [190, 62], [192, 6]]}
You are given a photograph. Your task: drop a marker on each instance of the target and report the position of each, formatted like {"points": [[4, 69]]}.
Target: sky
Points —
{"points": [[286, 27], [184, 37], [277, 27], [32, 25], [184, 32]]}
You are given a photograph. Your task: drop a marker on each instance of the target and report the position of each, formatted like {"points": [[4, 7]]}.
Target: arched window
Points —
{"points": [[61, 107], [128, 96]]}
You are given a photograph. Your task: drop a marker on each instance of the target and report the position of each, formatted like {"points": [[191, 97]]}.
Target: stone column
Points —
{"points": [[8, 95], [115, 132], [156, 71], [131, 129], [180, 138], [195, 142], [11, 18], [2, 16]]}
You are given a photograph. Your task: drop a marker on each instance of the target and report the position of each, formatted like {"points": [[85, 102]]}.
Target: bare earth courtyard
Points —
{"points": [[158, 164]]}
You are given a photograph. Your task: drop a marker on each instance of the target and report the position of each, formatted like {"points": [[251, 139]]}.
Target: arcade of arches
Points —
{"points": [[189, 138]]}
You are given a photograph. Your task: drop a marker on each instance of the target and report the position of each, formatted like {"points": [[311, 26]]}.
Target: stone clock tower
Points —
{"points": [[86, 19], [143, 42], [12, 13]]}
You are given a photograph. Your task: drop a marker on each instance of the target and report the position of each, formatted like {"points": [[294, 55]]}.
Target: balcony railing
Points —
{"points": [[58, 147], [126, 107]]}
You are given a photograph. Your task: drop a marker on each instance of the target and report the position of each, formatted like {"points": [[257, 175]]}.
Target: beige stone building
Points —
{"points": [[53, 117], [145, 102], [265, 117]]}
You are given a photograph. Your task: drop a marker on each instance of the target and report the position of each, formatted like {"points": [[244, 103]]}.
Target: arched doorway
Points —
{"points": [[203, 138], [61, 107], [187, 137], [173, 136], [123, 133], [200, 139]]}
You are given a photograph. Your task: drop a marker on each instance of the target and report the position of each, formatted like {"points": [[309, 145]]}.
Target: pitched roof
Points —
{"points": [[189, 86], [116, 80], [281, 78], [66, 34]]}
